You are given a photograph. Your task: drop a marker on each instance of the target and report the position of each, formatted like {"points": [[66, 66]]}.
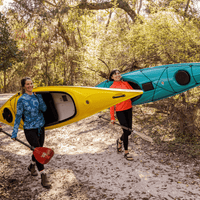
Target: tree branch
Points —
{"points": [[62, 33], [106, 5], [50, 3], [107, 24], [122, 4], [105, 64]]}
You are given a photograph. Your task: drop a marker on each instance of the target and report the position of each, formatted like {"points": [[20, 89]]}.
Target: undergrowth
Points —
{"points": [[173, 123]]}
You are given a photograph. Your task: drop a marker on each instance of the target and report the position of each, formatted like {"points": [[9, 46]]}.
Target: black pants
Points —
{"points": [[125, 119], [35, 141]]}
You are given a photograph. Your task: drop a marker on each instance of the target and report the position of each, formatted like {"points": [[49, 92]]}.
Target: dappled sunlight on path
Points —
{"points": [[87, 166]]}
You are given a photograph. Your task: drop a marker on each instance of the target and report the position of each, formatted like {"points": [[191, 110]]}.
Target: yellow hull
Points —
{"points": [[68, 104]]}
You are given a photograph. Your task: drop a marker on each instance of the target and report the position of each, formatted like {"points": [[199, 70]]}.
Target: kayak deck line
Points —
{"points": [[68, 104], [160, 82]]}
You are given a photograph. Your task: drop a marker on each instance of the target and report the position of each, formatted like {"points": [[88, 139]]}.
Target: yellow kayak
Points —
{"points": [[68, 104]]}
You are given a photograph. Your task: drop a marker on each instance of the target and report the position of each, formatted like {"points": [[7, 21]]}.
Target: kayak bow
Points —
{"points": [[67, 104]]}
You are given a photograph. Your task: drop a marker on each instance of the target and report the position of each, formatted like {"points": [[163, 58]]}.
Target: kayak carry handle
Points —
{"points": [[115, 97]]}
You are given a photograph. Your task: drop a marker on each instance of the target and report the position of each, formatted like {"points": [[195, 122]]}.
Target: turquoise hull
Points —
{"points": [[161, 81]]}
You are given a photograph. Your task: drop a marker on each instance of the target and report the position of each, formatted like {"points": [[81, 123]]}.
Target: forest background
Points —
{"points": [[78, 42]]}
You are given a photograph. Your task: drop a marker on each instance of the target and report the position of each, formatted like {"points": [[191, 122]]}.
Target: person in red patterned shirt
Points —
{"points": [[123, 112]]}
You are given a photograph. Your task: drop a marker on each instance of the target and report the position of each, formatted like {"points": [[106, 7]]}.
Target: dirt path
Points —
{"points": [[86, 166]]}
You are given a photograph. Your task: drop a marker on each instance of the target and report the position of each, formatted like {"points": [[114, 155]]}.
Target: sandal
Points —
{"points": [[119, 149], [128, 157]]}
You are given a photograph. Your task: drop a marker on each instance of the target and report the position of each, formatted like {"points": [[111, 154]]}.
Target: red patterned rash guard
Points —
{"points": [[125, 105]]}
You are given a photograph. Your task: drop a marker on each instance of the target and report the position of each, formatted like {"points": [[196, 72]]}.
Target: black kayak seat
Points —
{"points": [[51, 114], [135, 86]]}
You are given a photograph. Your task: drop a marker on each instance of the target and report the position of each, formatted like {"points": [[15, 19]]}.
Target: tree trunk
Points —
{"points": [[4, 88], [64, 76], [72, 72], [140, 6], [46, 72], [186, 9]]}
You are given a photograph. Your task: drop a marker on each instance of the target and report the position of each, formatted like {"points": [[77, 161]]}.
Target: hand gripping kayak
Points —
{"points": [[42, 154]]}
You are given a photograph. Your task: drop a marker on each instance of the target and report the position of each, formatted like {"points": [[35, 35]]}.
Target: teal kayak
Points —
{"points": [[161, 81]]}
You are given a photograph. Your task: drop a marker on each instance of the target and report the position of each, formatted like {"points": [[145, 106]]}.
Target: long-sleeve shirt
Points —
{"points": [[125, 105], [31, 106]]}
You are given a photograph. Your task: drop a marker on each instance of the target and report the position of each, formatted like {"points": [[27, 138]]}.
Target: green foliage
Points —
{"points": [[74, 44], [164, 39], [173, 123], [9, 52]]}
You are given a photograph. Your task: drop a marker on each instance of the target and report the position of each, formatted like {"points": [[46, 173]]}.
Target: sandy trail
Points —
{"points": [[87, 166]]}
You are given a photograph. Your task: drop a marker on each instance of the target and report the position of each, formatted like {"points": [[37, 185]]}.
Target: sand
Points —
{"points": [[86, 165]]}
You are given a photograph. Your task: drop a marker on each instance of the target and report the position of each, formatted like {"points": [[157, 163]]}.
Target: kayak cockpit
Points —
{"points": [[135, 86], [60, 107]]}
